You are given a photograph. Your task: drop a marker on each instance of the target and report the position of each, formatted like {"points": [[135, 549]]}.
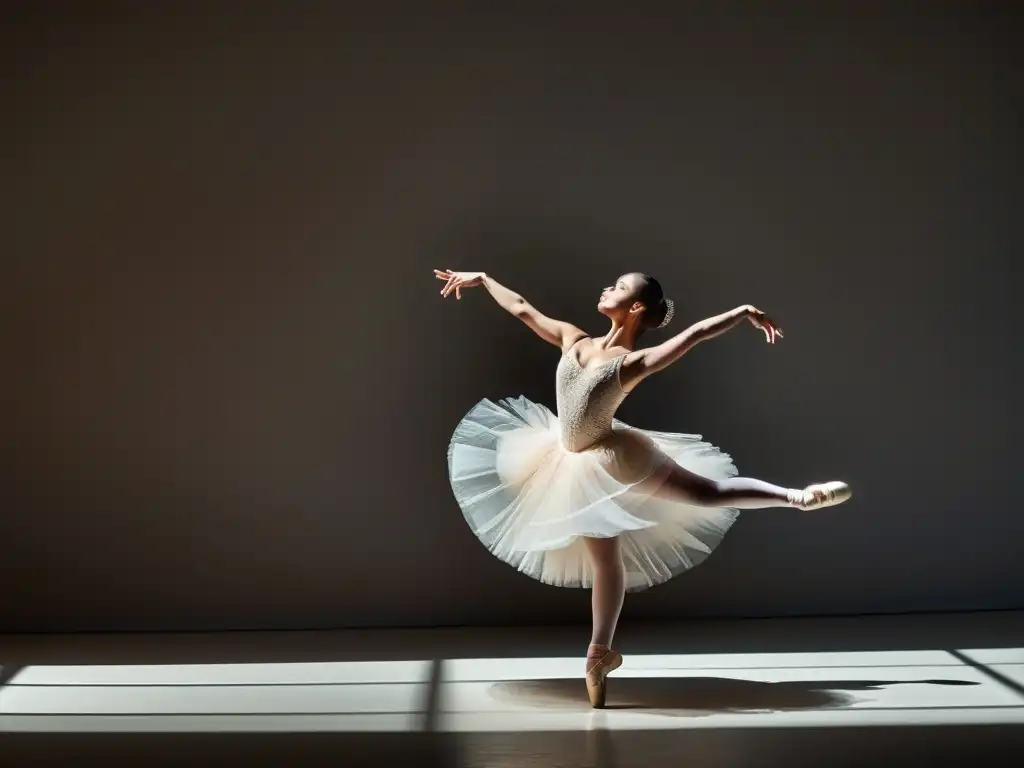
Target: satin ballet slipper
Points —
{"points": [[598, 668], [821, 495]]}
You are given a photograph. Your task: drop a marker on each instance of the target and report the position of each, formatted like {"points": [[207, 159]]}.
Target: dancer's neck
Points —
{"points": [[620, 336]]}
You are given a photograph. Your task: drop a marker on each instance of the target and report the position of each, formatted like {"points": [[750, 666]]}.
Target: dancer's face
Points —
{"points": [[620, 298]]}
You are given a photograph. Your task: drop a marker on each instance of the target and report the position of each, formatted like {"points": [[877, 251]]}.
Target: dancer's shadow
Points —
{"points": [[697, 696]]}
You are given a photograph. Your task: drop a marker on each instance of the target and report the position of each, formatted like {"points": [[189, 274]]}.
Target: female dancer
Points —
{"points": [[584, 500]]}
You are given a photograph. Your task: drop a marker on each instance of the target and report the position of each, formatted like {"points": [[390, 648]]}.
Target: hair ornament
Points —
{"points": [[670, 310]]}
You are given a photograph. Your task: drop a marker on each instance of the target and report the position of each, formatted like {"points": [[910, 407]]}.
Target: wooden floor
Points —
{"points": [[889, 691]]}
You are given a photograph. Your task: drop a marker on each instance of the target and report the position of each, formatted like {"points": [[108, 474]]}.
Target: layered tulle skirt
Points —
{"points": [[531, 501]]}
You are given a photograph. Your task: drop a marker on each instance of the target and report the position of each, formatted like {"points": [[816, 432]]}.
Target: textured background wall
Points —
{"points": [[230, 381]]}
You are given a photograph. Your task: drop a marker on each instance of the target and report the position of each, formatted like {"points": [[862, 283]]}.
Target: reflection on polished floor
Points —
{"points": [[824, 692]]}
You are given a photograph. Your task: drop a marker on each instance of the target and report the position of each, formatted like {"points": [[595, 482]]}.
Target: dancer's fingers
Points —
{"points": [[458, 293]]}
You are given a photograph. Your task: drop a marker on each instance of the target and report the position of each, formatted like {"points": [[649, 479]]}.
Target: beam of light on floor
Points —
{"points": [[370, 696], [654, 692], [649, 692]]}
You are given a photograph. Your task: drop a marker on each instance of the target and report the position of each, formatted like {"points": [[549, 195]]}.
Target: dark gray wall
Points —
{"points": [[230, 381]]}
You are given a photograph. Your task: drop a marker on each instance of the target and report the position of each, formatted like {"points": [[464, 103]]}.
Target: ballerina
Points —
{"points": [[582, 499]]}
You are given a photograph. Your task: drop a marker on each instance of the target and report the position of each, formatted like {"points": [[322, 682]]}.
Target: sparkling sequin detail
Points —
{"points": [[587, 399]]}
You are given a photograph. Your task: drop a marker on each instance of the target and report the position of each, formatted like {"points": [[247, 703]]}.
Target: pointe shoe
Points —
{"points": [[598, 671], [822, 495]]}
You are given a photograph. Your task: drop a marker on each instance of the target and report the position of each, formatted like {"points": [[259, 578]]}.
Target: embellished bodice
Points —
{"points": [[587, 400]]}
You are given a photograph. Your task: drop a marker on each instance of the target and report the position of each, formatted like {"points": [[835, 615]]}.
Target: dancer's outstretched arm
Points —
{"points": [[557, 332], [642, 363]]}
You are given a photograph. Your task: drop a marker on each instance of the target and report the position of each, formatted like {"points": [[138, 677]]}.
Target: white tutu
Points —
{"points": [[530, 500]]}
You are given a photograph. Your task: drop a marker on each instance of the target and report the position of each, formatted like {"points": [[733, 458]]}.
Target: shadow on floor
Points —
{"points": [[695, 695], [8, 672]]}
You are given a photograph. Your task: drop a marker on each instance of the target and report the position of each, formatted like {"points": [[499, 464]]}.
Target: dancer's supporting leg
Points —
{"points": [[607, 595]]}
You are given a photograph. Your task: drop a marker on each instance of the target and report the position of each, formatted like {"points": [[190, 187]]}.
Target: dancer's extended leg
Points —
{"points": [[743, 492]]}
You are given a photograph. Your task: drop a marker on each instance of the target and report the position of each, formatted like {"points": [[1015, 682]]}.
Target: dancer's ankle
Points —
{"points": [[597, 650]]}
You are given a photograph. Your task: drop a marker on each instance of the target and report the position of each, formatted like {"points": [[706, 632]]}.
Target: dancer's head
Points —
{"points": [[636, 298]]}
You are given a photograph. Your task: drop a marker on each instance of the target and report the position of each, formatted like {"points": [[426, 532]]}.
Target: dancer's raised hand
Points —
{"points": [[456, 281], [760, 320]]}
